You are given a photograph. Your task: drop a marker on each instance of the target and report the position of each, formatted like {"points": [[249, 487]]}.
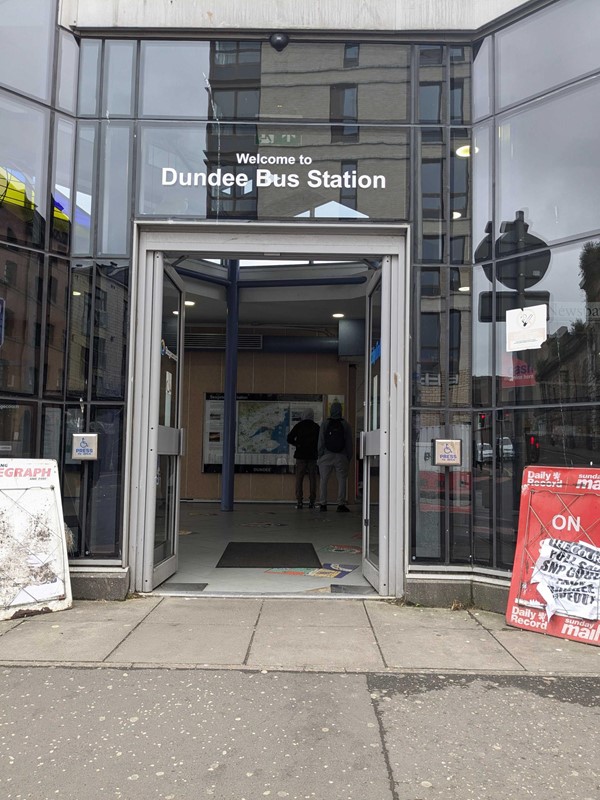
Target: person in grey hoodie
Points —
{"points": [[335, 450]]}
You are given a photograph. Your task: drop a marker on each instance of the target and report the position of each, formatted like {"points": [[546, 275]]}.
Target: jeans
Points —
{"points": [[306, 467]]}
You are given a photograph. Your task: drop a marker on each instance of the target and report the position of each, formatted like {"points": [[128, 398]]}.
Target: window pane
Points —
{"points": [[68, 63], [482, 83], [547, 49], [23, 186], [429, 490], [115, 221], [21, 296], [104, 485], [79, 330], [28, 29], [459, 339], [566, 367], [17, 430], [483, 491], [482, 366], [175, 79], [459, 480], [119, 71], [481, 154], [431, 225], [56, 327], [428, 371], [89, 77], [178, 160], [72, 478], [84, 187], [62, 185], [565, 203], [111, 324], [460, 196]]}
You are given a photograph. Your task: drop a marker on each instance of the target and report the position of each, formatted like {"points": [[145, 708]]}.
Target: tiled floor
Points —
{"points": [[205, 531]]}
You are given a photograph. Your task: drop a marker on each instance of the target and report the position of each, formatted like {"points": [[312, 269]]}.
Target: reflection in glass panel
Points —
{"points": [[119, 72], [78, 353], [17, 430], [23, 159], [167, 414], [547, 49], [459, 487], [21, 309], [72, 477], [460, 380], [68, 64], [114, 223], [89, 77], [460, 196], [482, 83], [482, 364], [483, 493], [431, 94], [84, 188], [57, 305], [111, 321], [177, 161], [374, 366], [164, 544], [432, 190], [250, 80], [428, 388], [460, 85], [566, 367], [566, 202], [429, 487], [104, 484], [62, 185], [28, 29], [481, 155], [372, 549]]}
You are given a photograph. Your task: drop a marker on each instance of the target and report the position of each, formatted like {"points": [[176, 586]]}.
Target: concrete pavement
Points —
{"points": [[323, 635]]}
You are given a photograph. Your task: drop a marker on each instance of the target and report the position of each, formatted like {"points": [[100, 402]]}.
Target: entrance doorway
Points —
{"points": [[278, 273]]}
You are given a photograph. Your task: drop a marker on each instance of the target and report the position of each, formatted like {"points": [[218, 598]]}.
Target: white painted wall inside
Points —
{"points": [[268, 15]]}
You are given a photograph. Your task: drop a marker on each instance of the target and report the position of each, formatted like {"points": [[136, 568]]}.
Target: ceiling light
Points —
{"points": [[456, 215], [190, 302], [176, 313], [464, 288], [337, 316], [76, 293]]}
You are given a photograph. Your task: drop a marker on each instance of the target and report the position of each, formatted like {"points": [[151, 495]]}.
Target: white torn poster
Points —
{"points": [[567, 575]]}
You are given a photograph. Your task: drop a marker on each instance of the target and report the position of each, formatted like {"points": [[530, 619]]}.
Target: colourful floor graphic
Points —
{"points": [[326, 571]]}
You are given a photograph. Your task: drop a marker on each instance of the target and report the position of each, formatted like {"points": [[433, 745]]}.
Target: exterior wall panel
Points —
{"points": [[335, 15]]}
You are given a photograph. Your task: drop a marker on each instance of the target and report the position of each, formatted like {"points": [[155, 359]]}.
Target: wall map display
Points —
{"points": [[263, 423]]}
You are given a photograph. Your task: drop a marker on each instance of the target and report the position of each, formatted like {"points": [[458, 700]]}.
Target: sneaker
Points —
{"points": [[322, 508], [342, 508], [298, 505]]}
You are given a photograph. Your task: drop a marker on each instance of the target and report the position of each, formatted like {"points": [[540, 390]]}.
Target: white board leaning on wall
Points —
{"points": [[34, 568]]}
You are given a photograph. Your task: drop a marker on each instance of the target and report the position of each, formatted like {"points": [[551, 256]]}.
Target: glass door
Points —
{"points": [[165, 436], [375, 438]]}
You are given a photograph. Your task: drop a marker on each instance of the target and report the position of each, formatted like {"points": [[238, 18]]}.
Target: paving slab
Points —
{"points": [[9, 624], [430, 648], [54, 638], [315, 648], [205, 611], [168, 643], [491, 621], [408, 618], [537, 651], [130, 611], [309, 613]]}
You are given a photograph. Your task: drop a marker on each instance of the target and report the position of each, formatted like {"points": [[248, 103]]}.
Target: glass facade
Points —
{"points": [[486, 148]]}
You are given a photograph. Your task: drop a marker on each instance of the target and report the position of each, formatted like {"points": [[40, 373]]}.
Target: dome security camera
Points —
{"points": [[279, 41]]}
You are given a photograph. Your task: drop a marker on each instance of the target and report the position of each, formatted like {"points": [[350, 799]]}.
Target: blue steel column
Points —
{"points": [[229, 415]]}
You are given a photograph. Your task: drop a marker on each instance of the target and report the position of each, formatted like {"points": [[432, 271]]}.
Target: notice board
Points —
{"points": [[555, 587], [34, 568]]}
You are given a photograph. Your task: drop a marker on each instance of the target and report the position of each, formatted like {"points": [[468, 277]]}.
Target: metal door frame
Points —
{"points": [[255, 240]]}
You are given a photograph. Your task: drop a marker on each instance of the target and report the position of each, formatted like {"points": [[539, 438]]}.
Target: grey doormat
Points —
{"points": [[266, 555]]}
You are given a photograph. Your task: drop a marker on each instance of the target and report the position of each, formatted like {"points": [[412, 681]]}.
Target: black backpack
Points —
{"points": [[335, 440]]}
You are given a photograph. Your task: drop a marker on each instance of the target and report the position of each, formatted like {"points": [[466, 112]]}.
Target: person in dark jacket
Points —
{"points": [[335, 450], [304, 437]]}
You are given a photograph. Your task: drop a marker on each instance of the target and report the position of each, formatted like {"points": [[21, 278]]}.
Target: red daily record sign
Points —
{"points": [[555, 587]]}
